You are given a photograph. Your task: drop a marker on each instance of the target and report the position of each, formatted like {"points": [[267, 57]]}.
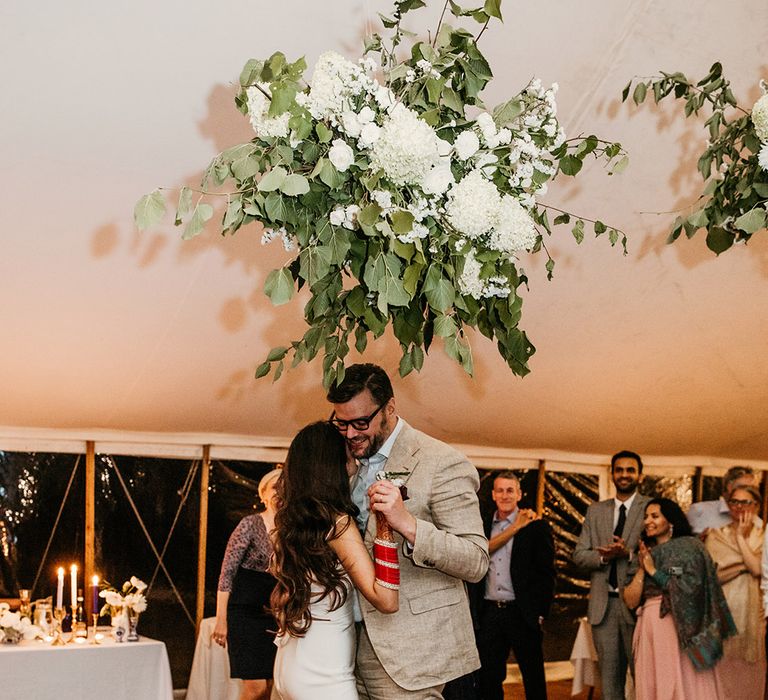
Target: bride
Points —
{"points": [[319, 556]]}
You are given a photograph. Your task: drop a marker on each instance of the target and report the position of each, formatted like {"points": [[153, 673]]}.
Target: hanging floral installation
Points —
{"points": [[734, 165], [406, 199]]}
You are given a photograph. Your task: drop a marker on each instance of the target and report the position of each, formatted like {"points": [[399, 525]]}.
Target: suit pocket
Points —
{"points": [[441, 598]]}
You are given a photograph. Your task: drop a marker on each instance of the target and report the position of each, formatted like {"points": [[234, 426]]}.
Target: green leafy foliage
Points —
{"points": [[371, 265], [732, 204]]}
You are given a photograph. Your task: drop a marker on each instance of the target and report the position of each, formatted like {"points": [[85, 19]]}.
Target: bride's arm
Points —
{"points": [[354, 557]]}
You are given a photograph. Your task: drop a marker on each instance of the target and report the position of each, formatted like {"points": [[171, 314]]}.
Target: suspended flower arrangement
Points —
{"points": [[734, 165], [406, 199]]}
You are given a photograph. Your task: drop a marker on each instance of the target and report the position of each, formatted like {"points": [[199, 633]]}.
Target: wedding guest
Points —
{"points": [[737, 550], [515, 597], [243, 624], [430, 640], [610, 532], [713, 514], [683, 618]]}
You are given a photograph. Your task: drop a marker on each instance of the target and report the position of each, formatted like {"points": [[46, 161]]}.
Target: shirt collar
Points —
{"points": [[510, 518], [627, 504], [386, 448], [383, 452]]}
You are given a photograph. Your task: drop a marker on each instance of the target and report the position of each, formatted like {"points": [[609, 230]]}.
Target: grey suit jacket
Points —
{"points": [[597, 531], [430, 639]]}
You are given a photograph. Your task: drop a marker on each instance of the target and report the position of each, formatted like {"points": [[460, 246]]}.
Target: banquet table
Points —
{"points": [[34, 670], [209, 678]]}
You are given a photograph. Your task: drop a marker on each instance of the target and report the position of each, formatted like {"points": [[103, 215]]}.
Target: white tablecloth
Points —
{"points": [[33, 670], [584, 659], [209, 678]]}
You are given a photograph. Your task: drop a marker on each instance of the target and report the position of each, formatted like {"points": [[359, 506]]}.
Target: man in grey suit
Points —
{"points": [[413, 652], [605, 548]]}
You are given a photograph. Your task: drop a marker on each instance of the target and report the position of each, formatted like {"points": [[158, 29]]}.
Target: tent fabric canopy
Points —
{"points": [[105, 329]]}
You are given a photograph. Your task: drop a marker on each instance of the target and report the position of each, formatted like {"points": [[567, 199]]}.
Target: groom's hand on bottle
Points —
{"points": [[386, 499]]}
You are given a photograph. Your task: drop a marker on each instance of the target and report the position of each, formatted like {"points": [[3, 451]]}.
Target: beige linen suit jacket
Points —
{"points": [[597, 531], [430, 640]]}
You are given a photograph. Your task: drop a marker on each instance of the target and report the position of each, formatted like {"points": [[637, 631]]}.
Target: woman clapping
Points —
{"points": [[737, 551], [683, 618]]}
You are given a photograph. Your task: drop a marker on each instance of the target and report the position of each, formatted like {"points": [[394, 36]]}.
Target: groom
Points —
{"points": [[412, 653]]}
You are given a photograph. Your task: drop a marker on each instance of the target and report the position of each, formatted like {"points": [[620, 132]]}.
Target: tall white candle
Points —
{"points": [[73, 572], [60, 588]]}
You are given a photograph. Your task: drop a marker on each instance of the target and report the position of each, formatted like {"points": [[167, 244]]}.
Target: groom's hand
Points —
{"points": [[386, 499]]}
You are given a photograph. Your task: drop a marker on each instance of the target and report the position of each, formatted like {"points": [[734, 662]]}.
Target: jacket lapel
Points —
{"points": [[402, 458]]}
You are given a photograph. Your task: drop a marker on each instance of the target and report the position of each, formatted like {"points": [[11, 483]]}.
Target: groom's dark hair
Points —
{"points": [[359, 377]]}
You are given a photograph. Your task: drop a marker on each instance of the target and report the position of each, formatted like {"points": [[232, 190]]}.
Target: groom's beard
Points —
{"points": [[364, 446]]}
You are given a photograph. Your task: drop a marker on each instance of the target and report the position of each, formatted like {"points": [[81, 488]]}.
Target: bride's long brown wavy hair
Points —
{"points": [[312, 494]]}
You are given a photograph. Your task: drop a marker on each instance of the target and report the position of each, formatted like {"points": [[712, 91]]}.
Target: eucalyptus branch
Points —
{"points": [[576, 216], [440, 23], [485, 26]]}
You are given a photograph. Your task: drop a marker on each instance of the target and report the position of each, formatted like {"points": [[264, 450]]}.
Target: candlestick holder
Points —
{"points": [[58, 637], [95, 639], [73, 627]]}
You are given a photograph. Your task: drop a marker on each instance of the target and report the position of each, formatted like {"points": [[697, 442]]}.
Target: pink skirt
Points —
{"points": [[662, 671]]}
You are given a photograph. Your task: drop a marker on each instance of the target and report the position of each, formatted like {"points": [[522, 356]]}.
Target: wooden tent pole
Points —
{"points": [[90, 523], [764, 493], [202, 536], [698, 484], [540, 488]]}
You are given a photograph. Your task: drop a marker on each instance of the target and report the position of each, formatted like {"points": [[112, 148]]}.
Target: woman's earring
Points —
{"points": [[671, 529]]}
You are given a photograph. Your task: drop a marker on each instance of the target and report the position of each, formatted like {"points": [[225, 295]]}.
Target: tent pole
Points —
{"points": [[90, 523], [540, 488], [202, 536], [698, 484]]}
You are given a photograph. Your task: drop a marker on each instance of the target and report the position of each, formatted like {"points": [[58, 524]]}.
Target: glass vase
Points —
{"points": [[133, 623]]}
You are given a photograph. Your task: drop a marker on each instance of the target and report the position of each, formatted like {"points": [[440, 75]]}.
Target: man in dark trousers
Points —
{"points": [[607, 541], [515, 596]]}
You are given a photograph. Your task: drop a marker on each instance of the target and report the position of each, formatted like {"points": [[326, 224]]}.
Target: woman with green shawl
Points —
{"points": [[683, 618]]}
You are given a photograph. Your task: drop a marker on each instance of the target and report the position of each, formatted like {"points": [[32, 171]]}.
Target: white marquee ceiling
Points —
{"points": [[662, 351]]}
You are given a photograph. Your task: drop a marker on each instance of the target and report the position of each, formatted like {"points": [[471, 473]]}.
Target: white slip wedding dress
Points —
{"points": [[320, 665]]}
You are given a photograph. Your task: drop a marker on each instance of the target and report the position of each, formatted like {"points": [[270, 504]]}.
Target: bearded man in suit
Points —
{"points": [[412, 653], [607, 543]]}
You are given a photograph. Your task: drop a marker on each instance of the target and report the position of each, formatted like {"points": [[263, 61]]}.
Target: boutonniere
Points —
{"points": [[397, 479]]}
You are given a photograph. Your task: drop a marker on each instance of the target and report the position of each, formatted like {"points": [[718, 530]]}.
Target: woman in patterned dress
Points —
{"points": [[243, 624]]}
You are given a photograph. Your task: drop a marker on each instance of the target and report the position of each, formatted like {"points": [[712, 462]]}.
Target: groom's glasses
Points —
{"points": [[358, 424]]}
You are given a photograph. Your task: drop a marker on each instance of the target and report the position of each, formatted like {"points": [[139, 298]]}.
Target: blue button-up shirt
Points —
{"points": [[498, 582]]}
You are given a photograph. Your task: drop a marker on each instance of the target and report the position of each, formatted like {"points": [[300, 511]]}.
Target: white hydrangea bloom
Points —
{"points": [[341, 155], [445, 148], [762, 157], [382, 198], [760, 118], [337, 216], [472, 205], [421, 209], [439, 179], [514, 228], [406, 149], [467, 144], [334, 81], [385, 98], [350, 216], [486, 125], [418, 231], [350, 123], [470, 283], [258, 108], [369, 135], [365, 115]]}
